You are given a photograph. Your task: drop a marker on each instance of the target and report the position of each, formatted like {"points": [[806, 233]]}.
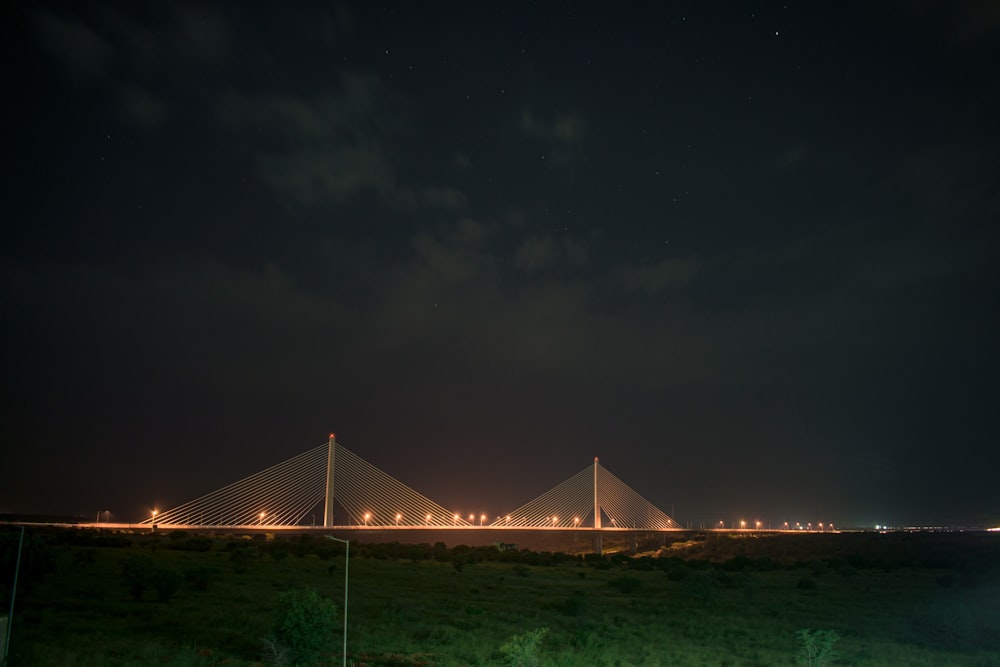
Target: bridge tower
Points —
{"points": [[597, 506], [330, 459]]}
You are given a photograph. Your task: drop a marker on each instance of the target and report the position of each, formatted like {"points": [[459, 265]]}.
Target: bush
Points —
{"points": [[137, 574], [625, 584], [199, 578], [807, 584], [241, 557], [817, 647], [304, 624], [165, 583], [522, 650]]}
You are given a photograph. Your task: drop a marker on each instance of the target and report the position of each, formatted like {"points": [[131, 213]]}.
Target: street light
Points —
{"points": [[262, 515], [347, 564], [576, 521], [758, 525], [428, 519], [555, 520], [368, 515], [482, 520], [743, 524], [456, 519], [398, 517]]}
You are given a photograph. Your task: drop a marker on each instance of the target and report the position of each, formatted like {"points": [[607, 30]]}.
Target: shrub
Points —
{"points": [[137, 574], [807, 584], [84, 557], [199, 578], [625, 584], [304, 624], [522, 650], [165, 583], [241, 557], [817, 647]]}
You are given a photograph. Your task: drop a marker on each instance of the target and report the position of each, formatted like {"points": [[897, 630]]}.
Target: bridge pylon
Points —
{"points": [[331, 457]]}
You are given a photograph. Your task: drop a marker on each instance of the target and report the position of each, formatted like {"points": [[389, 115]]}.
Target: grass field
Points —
{"points": [[928, 601]]}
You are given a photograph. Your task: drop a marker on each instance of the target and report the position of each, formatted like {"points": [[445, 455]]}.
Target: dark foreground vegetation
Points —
{"points": [[99, 598]]}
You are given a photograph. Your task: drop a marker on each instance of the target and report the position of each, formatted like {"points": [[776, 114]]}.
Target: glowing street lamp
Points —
{"points": [[428, 517], [262, 515], [758, 525], [472, 519], [786, 525], [722, 525], [555, 520], [367, 516], [398, 517], [456, 519], [743, 524], [482, 520], [576, 521], [508, 519]]}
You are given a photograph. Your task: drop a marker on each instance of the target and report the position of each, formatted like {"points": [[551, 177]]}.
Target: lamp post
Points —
{"points": [[398, 517], [262, 515], [347, 564], [368, 515]]}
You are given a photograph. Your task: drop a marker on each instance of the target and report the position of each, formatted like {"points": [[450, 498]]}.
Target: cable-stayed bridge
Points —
{"points": [[354, 493]]}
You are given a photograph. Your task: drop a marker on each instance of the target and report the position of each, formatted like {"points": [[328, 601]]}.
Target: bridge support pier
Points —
{"points": [[598, 544], [633, 544]]}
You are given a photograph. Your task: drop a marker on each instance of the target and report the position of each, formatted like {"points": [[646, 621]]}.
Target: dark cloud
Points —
{"points": [[744, 257]]}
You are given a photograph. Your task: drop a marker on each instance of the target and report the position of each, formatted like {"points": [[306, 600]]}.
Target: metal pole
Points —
{"points": [[13, 593], [347, 565]]}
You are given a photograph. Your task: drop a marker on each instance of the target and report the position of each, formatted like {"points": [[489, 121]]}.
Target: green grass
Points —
{"points": [[412, 612]]}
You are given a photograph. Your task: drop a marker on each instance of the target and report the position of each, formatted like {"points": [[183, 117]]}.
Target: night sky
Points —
{"points": [[748, 254]]}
